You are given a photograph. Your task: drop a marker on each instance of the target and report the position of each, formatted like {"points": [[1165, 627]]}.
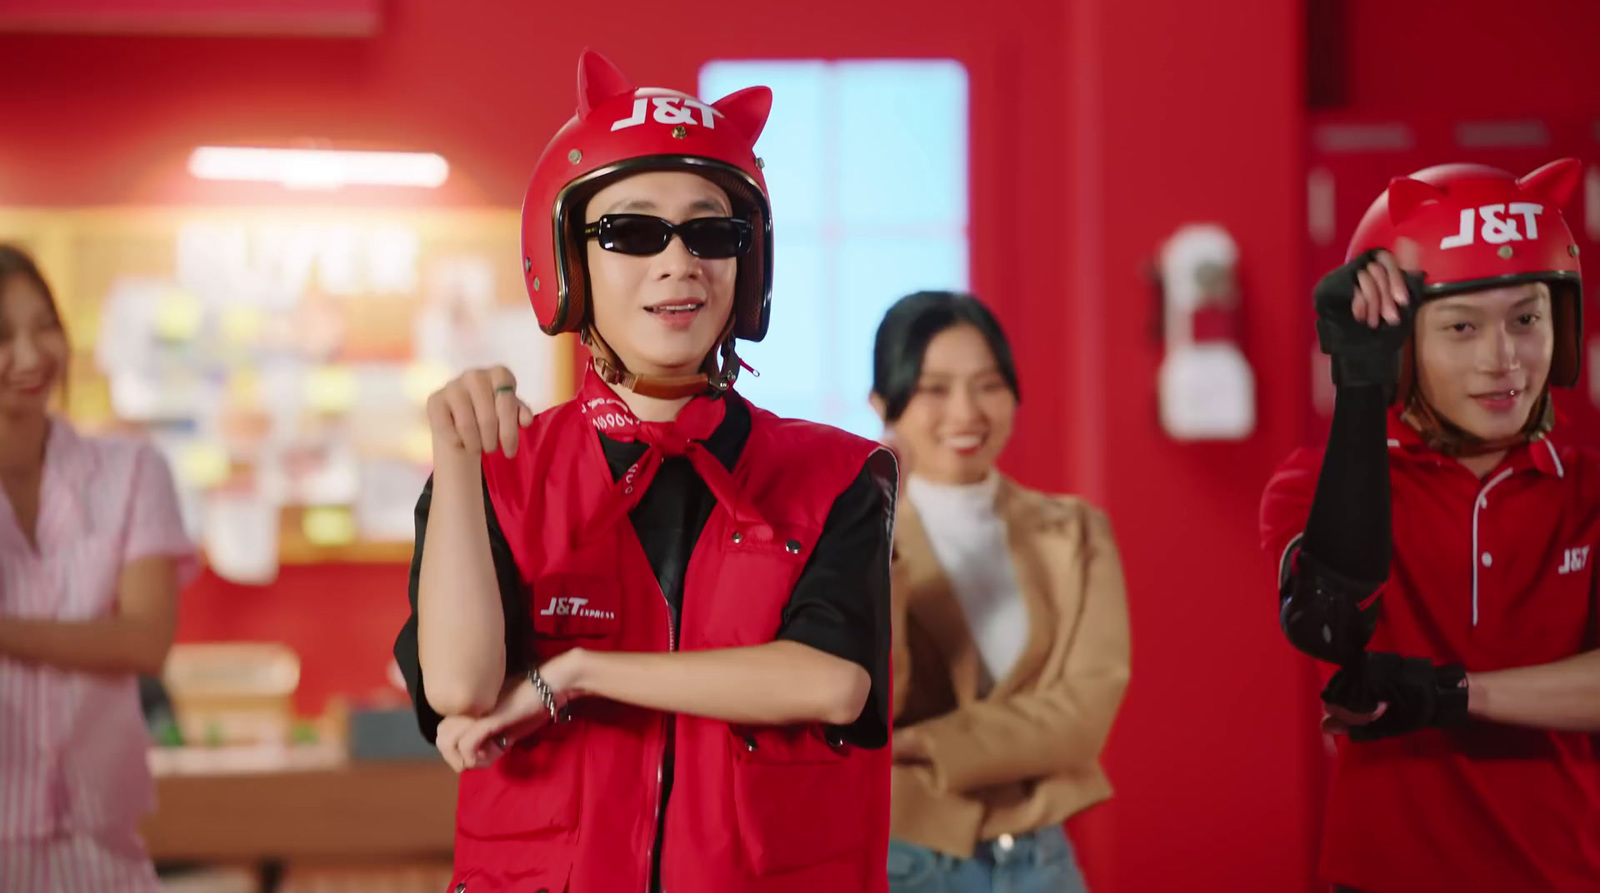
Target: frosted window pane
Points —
{"points": [[797, 341], [794, 143], [876, 272], [902, 142], [867, 163]]}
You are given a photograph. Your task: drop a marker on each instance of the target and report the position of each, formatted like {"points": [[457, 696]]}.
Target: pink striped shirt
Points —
{"points": [[73, 745]]}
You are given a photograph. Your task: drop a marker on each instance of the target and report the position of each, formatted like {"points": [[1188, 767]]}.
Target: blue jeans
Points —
{"points": [[1039, 862]]}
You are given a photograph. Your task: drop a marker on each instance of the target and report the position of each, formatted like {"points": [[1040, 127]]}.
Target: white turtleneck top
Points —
{"points": [[969, 540]]}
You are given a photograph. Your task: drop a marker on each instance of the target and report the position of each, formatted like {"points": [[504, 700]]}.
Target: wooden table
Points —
{"points": [[253, 805]]}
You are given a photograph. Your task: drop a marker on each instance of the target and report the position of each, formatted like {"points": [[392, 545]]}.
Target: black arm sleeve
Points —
{"points": [[1327, 584], [1348, 531], [513, 603], [840, 605], [1349, 525], [1343, 556]]}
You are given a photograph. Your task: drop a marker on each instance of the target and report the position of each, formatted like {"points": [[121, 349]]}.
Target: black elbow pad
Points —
{"points": [[1321, 611]]}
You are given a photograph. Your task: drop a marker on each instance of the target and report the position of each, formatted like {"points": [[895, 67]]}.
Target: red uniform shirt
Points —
{"points": [[1490, 574]]}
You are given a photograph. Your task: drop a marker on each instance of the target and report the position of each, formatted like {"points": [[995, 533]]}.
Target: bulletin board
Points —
{"points": [[281, 358]]}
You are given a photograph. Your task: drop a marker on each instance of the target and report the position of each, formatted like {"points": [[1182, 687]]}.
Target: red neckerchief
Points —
{"points": [[684, 436]]}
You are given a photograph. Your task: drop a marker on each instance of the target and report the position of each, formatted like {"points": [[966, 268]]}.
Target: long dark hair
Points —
{"points": [[907, 329]]}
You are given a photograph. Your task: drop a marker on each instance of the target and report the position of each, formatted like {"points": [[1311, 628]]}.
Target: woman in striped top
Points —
{"points": [[92, 554]]}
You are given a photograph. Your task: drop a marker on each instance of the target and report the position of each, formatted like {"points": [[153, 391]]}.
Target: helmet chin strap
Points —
{"points": [[711, 377], [1445, 436]]}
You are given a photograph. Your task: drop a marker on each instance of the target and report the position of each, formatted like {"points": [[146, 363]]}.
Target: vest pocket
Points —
{"points": [[792, 791], [532, 790], [511, 867]]}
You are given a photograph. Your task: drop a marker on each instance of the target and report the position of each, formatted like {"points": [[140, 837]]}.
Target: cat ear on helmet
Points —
{"points": [[747, 109], [1407, 195], [1555, 183], [598, 80]]}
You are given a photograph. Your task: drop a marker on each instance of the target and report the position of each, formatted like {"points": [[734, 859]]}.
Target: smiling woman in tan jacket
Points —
{"points": [[1010, 622]]}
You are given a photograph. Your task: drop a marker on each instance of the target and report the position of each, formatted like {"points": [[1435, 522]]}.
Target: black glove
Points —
{"points": [[1361, 354], [1419, 694]]}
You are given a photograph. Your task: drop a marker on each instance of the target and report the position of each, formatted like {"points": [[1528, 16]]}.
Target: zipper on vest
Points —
{"points": [[655, 832], [661, 768]]}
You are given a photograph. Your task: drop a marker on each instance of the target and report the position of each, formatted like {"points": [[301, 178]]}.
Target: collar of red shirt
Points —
{"points": [[1539, 455]]}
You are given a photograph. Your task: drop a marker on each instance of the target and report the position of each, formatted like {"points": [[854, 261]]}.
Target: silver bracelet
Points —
{"points": [[557, 714]]}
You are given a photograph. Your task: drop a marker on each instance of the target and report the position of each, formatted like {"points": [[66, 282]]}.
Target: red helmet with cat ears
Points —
{"points": [[621, 130], [1478, 227]]}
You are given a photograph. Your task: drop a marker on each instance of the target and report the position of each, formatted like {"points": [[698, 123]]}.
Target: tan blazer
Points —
{"points": [[1028, 754]]}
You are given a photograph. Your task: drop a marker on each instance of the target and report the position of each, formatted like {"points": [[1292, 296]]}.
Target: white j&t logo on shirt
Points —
{"points": [[1575, 560], [573, 607]]}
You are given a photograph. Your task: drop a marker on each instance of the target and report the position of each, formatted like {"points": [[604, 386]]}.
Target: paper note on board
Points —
{"points": [[202, 464], [340, 259], [333, 477], [126, 336], [516, 342], [242, 326], [329, 526], [330, 389], [388, 500], [423, 378], [419, 445], [179, 316], [241, 537], [392, 252]]}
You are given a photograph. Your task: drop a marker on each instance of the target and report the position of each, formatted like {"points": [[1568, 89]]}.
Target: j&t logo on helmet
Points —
{"points": [[1497, 229], [669, 108]]}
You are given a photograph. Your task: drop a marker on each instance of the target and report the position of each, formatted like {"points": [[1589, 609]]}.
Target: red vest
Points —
{"points": [[752, 810]]}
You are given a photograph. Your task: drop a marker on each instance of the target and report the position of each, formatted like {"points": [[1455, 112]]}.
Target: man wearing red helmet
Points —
{"points": [[650, 625], [1437, 551]]}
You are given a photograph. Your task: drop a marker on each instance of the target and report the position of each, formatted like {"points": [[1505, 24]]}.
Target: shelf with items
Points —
{"points": [[280, 358]]}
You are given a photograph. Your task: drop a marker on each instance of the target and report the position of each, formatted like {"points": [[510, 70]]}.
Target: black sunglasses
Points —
{"points": [[642, 235]]}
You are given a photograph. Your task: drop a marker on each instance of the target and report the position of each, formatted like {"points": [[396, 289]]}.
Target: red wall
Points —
{"points": [[1193, 113], [1098, 127], [1471, 57]]}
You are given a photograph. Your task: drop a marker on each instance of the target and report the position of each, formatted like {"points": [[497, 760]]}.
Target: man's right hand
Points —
{"points": [[1381, 288], [1364, 311], [462, 751], [478, 412]]}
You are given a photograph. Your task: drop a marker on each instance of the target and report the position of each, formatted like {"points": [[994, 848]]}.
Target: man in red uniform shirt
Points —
{"points": [[650, 625], [1438, 550]]}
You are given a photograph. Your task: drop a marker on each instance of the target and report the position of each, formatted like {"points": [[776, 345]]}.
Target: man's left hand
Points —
{"points": [[1411, 692]]}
